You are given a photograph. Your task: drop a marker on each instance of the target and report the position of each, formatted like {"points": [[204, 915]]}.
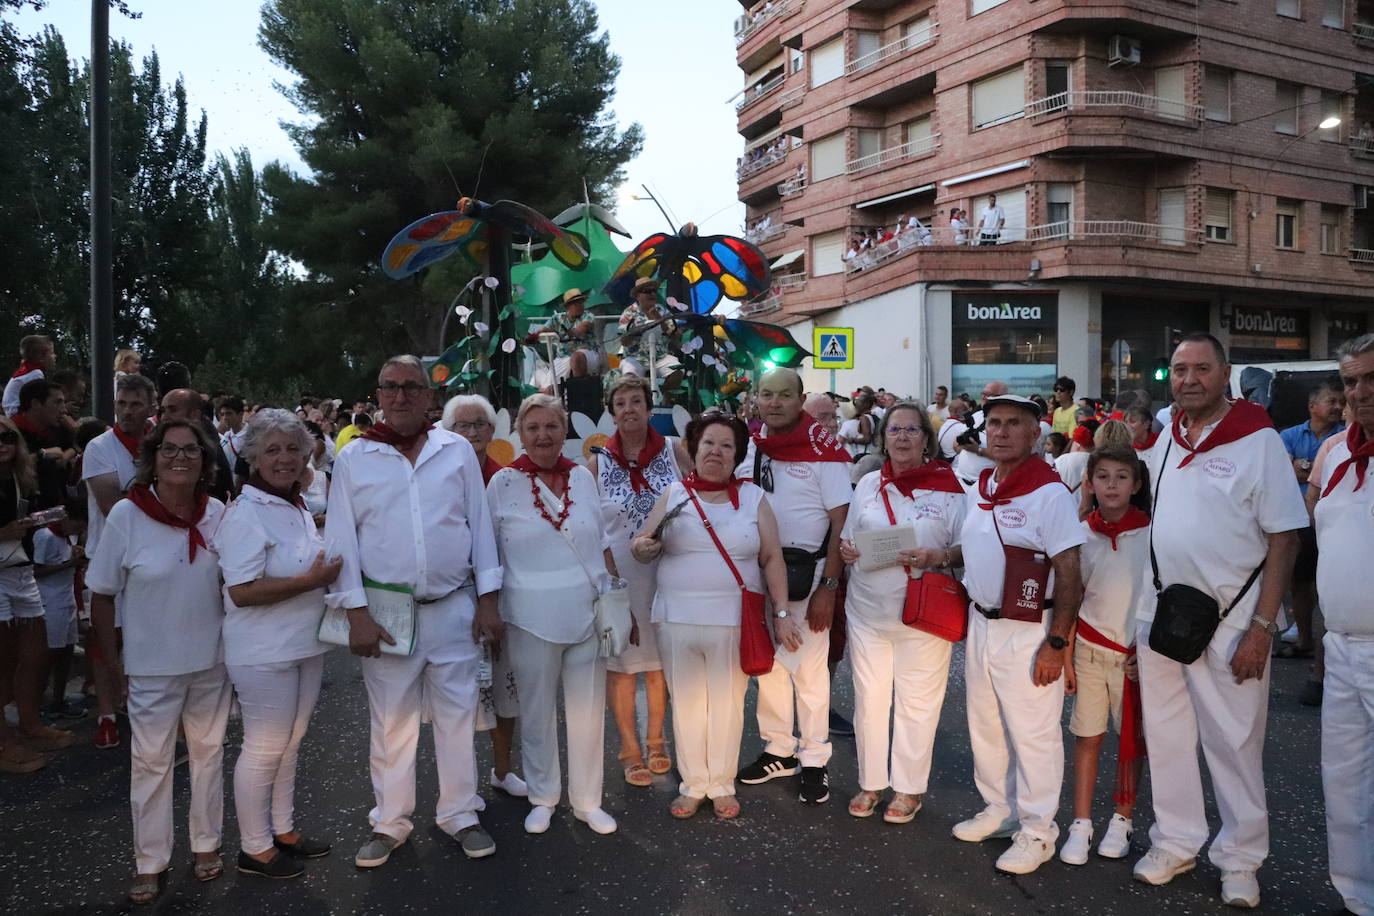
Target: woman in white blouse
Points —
{"points": [[547, 517], [697, 609], [154, 556], [275, 572], [888, 658]]}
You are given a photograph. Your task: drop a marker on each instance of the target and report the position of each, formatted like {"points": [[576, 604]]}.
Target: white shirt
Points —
{"points": [[171, 607], [1114, 589], [1345, 545], [104, 455], [261, 536], [991, 219], [10, 401], [695, 585], [1071, 467], [968, 465], [803, 492], [424, 525], [938, 413], [1212, 518], [316, 495], [56, 589], [1045, 520], [950, 430], [959, 227], [231, 443], [876, 596], [852, 429]]}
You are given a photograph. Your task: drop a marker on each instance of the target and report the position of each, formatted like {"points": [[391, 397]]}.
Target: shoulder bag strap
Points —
{"points": [[572, 545], [712, 532], [891, 516], [1154, 564]]}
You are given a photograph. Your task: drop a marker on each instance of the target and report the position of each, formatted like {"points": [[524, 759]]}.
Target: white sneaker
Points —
{"points": [[1027, 853], [597, 819], [1075, 848], [985, 825], [537, 821], [1240, 888], [1160, 867], [1290, 635], [511, 785], [1117, 841]]}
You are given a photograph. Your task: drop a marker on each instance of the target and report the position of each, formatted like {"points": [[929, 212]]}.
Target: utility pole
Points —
{"points": [[102, 242]]}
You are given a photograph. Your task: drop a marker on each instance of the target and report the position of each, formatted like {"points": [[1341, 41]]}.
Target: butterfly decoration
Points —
{"points": [[465, 231], [706, 269], [742, 343]]}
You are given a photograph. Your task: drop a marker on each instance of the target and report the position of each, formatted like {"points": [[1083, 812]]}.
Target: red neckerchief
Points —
{"points": [[292, 496], [1149, 442], [27, 426], [1083, 436], [653, 444], [489, 468], [1027, 477], [694, 481], [1361, 450], [1241, 420], [1131, 742], [933, 475], [25, 367], [808, 441], [562, 467], [380, 432], [129, 442], [152, 507], [1133, 519]]}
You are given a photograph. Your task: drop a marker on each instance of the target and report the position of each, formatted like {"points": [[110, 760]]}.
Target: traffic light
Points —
{"points": [[1161, 370]]}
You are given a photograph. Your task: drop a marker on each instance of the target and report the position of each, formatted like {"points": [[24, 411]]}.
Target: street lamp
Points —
{"points": [[648, 195], [1327, 123]]}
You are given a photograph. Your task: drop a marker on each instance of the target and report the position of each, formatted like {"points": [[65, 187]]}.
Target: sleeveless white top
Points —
{"points": [[695, 584]]}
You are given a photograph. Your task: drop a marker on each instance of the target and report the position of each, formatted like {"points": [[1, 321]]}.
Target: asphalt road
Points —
{"points": [[65, 847]]}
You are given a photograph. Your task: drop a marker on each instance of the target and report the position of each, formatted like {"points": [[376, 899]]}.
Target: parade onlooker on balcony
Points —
{"points": [[958, 223], [990, 222]]}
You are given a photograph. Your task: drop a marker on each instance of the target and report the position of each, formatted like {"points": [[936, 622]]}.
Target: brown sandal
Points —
{"points": [[18, 760], [726, 807], [659, 761], [208, 870], [684, 807], [146, 888], [902, 809], [636, 773]]}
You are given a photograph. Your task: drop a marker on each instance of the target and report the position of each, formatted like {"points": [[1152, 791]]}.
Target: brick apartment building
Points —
{"points": [[1159, 164]]}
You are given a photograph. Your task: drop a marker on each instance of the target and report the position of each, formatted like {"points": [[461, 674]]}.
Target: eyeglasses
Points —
{"points": [[912, 432], [410, 389], [8, 437], [466, 426], [170, 450]]}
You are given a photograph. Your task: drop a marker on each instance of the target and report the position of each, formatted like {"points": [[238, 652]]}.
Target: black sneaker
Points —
{"points": [[815, 786], [839, 725], [280, 866], [767, 767]]}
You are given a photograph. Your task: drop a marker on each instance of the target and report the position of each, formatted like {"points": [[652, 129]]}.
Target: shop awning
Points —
{"points": [[898, 196], [788, 258]]}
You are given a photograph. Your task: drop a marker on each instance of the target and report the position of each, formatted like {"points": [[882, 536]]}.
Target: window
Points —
{"points": [[998, 98], [917, 32], [1286, 104], [1331, 230], [827, 253], [1290, 8], [1217, 215], [866, 43], [1172, 211], [868, 142], [917, 134], [1286, 223], [827, 157], [1058, 74], [1059, 209], [1171, 89], [1332, 106], [1216, 94], [827, 62], [982, 6], [1333, 13], [1013, 204], [795, 60]]}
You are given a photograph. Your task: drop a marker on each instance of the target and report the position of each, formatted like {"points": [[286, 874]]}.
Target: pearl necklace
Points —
{"points": [[544, 511]]}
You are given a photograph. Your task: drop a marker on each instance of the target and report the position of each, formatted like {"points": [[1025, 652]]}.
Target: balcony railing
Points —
{"points": [[1364, 256], [746, 26], [1363, 147], [1079, 229], [758, 91], [792, 186], [790, 281], [892, 154], [759, 235], [770, 303], [792, 97], [1364, 31], [758, 165], [893, 49], [1111, 98]]}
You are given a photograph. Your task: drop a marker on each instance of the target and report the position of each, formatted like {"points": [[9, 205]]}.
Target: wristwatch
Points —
{"points": [[781, 613], [1267, 626], [1057, 643], [830, 582]]}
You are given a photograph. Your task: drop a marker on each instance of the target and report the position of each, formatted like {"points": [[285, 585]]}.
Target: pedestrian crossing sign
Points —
{"points": [[834, 348]]}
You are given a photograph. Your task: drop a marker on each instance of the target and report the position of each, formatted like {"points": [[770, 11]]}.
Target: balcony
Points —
{"points": [[1363, 32], [1078, 101], [892, 50], [762, 162], [758, 91], [1118, 229], [1362, 257], [751, 22], [792, 97], [769, 303], [785, 282], [1363, 147], [909, 150], [764, 233], [792, 186]]}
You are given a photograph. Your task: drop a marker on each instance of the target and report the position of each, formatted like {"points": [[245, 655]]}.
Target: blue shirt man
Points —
{"points": [[1324, 407]]}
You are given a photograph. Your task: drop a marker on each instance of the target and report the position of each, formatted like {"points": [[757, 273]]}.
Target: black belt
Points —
{"points": [[423, 601], [995, 613]]}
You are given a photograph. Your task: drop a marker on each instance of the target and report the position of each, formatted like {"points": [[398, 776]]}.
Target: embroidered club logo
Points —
{"points": [[929, 509], [1011, 517], [799, 471], [1219, 468], [1030, 589]]}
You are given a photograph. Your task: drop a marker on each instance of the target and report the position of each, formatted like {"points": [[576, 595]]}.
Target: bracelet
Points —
{"points": [[1268, 626]]}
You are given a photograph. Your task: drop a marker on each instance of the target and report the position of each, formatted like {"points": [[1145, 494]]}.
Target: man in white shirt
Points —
{"points": [[1221, 461], [939, 408], [1020, 550], [1345, 542], [407, 508], [973, 458], [37, 361], [231, 418], [990, 222]]}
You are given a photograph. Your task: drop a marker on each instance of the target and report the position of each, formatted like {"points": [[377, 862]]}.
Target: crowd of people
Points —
{"points": [[868, 247], [220, 549]]}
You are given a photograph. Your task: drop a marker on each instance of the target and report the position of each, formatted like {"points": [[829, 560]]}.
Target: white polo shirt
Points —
{"points": [[1345, 546], [1044, 520], [1114, 589], [803, 492], [969, 465], [261, 536], [1212, 518], [104, 455]]}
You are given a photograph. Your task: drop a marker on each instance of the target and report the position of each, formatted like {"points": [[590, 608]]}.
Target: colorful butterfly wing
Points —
{"points": [[526, 221], [765, 343], [642, 261], [723, 267], [445, 370], [432, 239]]}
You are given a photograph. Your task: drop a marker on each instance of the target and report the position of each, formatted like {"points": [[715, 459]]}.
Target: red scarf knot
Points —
{"points": [[130, 443], [152, 507], [1027, 477], [563, 468], [807, 441], [1361, 450], [1133, 519], [653, 444], [694, 481], [381, 432], [1241, 420], [933, 475], [1149, 443]]}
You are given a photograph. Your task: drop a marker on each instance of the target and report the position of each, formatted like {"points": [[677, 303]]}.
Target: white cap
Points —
{"points": [[1014, 400]]}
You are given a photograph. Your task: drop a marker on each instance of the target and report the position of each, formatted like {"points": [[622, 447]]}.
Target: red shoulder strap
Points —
{"points": [[712, 532]]}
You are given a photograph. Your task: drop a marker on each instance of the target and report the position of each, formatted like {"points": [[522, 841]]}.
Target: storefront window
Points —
{"points": [[1268, 335], [1006, 337], [1344, 326]]}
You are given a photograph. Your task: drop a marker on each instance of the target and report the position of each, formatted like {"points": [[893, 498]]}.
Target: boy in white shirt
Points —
{"points": [[55, 561]]}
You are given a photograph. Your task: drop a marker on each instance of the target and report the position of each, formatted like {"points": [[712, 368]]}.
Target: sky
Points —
{"points": [[677, 76]]}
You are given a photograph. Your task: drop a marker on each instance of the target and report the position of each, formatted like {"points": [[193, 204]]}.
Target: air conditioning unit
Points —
{"points": [[1123, 51], [1361, 197]]}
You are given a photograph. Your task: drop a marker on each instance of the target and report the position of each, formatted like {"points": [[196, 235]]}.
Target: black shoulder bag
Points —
{"points": [[801, 564], [1185, 617]]}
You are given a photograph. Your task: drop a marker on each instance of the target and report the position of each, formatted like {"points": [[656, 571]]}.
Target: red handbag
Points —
{"points": [[935, 603], [755, 642]]}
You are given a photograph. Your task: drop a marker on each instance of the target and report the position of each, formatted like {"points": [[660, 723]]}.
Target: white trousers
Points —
{"points": [[701, 664], [441, 672], [1018, 745], [1348, 767], [540, 666], [887, 661], [1202, 701], [199, 703], [801, 678], [277, 700]]}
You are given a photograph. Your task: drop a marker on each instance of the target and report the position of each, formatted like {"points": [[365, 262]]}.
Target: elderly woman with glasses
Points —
{"points": [[155, 557], [275, 572], [889, 659]]}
